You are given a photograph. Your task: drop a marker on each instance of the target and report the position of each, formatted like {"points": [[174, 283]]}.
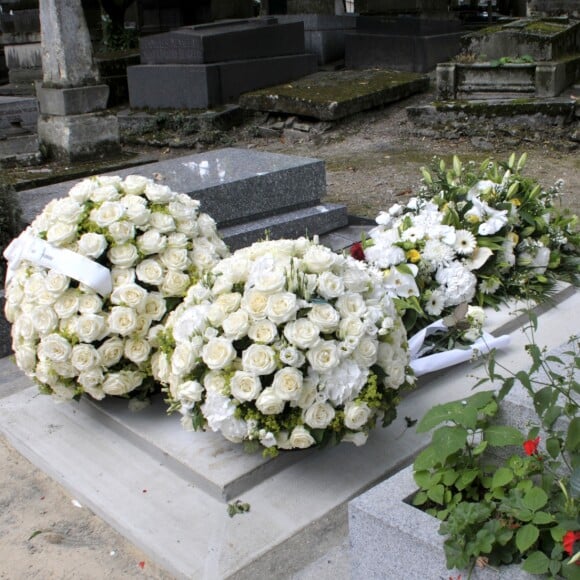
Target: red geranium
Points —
{"points": [[357, 252], [570, 538], [531, 446]]}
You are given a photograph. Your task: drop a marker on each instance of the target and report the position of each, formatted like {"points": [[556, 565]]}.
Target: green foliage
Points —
{"points": [[501, 498], [10, 225]]}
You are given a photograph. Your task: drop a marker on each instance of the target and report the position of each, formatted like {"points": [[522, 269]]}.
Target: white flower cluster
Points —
{"points": [[155, 243], [438, 260], [287, 343]]}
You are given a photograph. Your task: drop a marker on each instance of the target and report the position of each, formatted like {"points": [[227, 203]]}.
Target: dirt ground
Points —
{"points": [[372, 160]]}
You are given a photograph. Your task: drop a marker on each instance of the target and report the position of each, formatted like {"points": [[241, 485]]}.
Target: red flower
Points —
{"points": [[357, 252], [531, 446], [570, 538]]}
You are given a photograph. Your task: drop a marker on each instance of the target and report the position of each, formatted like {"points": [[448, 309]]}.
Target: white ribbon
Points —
{"points": [[32, 249], [422, 365]]}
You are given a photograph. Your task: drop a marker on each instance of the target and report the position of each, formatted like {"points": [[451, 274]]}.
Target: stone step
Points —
{"points": [[233, 185], [167, 491], [20, 112]]}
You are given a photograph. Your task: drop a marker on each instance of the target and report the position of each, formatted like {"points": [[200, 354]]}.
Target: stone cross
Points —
{"points": [[67, 57]]}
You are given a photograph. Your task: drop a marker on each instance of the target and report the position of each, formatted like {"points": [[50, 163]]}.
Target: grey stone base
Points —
{"points": [[72, 101], [21, 112], [202, 86], [79, 137]]}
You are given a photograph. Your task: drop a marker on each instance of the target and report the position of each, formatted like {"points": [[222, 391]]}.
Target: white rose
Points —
{"points": [[218, 353], [351, 305], [108, 213], [121, 383], [216, 314], [174, 258], [160, 367], [330, 285], [236, 325], [263, 331], [90, 304], [155, 306], [105, 193], [215, 381], [158, 193], [351, 327], [356, 415], [287, 383], [302, 333], [68, 210], [137, 350], [229, 302], [269, 281], [325, 317], [191, 321], [91, 380], [25, 356], [121, 276], [136, 210], [181, 211], [64, 369], [324, 356], [309, 394], [162, 222], [359, 438], [291, 356], [269, 403], [111, 351], [175, 283], [142, 326], [318, 259], [122, 231], [123, 255], [45, 373], [61, 233], [67, 304], [188, 393], [84, 357], [131, 295], [135, 184], [245, 386], [255, 302], [122, 320], [55, 347], [33, 285], [177, 240], [44, 320], [318, 415], [281, 307], [183, 359], [396, 374], [356, 278], [301, 438], [92, 245], [150, 272], [366, 352], [81, 191], [55, 282], [206, 224], [151, 242], [259, 359]]}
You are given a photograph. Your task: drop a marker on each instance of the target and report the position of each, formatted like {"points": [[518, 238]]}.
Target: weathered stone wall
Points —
{"points": [[554, 7]]}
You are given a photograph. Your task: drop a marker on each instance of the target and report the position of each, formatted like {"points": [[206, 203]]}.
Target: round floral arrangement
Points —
{"points": [[93, 278], [288, 345], [474, 234]]}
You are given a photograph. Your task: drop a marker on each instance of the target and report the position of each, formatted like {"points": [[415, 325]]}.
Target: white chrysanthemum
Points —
{"points": [[465, 242], [437, 253]]}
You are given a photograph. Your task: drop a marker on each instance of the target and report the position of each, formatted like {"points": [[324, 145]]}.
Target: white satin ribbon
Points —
{"points": [[422, 365], [40, 253]]}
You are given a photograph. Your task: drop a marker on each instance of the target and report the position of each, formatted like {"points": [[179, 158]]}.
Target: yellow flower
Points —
{"points": [[413, 256], [472, 218], [517, 202], [513, 237]]}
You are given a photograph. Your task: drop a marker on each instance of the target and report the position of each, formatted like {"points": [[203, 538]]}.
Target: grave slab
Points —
{"points": [[195, 86], [294, 513], [18, 111], [333, 95], [210, 43], [233, 185]]}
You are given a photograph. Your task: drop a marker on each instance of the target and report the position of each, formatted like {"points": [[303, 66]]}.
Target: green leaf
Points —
{"points": [[453, 411], [479, 449], [573, 438], [436, 494], [535, 499], [526, 536], [542, 518], [502, 477], [422, 478], [524, 378], [448, 440], [420, 498], [427, 459], [536, 563], [553, 447], [575, 482], [502, 435], [466, 477]]}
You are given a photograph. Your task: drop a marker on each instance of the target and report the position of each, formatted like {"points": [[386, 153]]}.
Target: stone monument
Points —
{"points": [[73, 124]]}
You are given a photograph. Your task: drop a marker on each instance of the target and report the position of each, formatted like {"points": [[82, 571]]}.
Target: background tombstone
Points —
{"points": [[73, 124]]}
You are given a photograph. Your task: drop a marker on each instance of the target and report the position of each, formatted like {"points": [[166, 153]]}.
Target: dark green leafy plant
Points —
{"points": [[501, 497], [9, 223]]}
